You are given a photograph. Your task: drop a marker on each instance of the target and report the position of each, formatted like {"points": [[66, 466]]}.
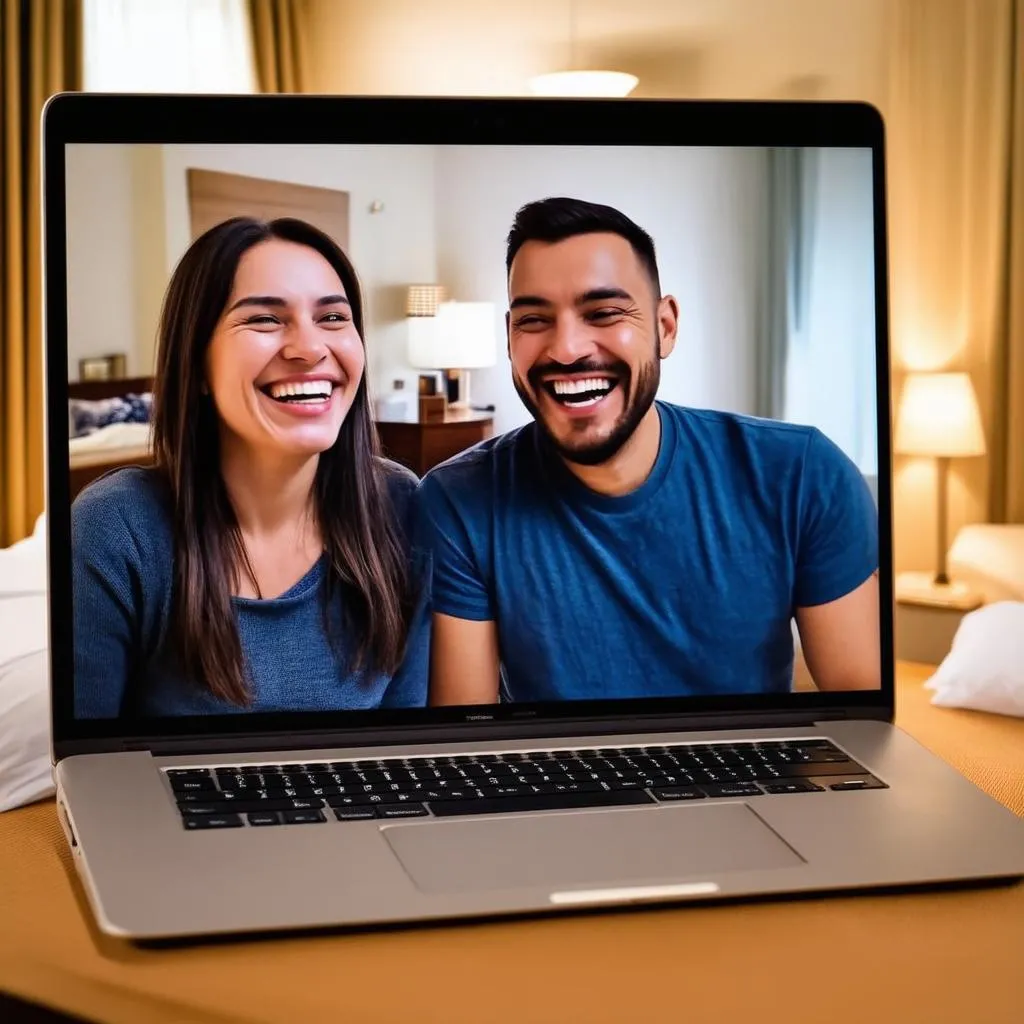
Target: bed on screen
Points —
{"points": [[108, 427]]}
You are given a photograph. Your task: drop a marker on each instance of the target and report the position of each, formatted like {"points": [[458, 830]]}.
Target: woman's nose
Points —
{"points": [[304, 341]]}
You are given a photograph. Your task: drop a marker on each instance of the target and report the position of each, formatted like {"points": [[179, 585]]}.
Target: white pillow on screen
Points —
{"points": [[984, 669]]}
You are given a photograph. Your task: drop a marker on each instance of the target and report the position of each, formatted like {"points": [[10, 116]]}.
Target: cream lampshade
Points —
{"points": [[939, 416], [460, 337]]}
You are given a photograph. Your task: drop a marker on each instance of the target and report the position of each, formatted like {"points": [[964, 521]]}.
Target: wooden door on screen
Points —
{"points": [[214, 196]]}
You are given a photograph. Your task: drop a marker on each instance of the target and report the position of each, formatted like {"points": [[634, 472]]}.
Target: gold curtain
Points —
{"points": [[1008, 440], [40, 54], [949, 116], [279, 30]]}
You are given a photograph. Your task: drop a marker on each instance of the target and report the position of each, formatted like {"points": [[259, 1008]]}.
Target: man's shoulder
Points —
{"points": [[471, 471], [733, 429]]}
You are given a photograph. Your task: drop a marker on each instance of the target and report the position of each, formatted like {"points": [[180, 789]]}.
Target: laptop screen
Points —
{"points": [[369, 432]]}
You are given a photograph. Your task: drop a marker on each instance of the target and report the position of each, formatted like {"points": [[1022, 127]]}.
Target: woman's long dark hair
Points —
{"points": [[366, 562]]}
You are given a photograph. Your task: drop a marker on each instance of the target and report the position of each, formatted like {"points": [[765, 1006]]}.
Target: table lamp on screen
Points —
{"points": [[460, 337], [939, 417]]}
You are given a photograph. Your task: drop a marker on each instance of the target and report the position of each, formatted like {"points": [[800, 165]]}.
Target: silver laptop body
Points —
{"points": [[895, 816]]}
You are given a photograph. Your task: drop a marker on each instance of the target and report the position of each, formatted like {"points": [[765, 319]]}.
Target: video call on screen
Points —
{"points": [[675, 494]]}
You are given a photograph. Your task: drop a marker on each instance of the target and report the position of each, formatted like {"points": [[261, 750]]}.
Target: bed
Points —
{"points": [[111, 446]]}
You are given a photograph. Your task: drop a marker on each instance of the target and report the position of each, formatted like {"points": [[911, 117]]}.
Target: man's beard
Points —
{"points": [[637, 402]]}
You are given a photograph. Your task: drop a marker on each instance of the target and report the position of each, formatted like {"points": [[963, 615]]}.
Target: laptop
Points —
{"points": [[713, 752]]}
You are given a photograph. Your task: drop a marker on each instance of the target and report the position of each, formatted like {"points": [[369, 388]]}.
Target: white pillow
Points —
{"points": [[984, 669], [25, 769]]}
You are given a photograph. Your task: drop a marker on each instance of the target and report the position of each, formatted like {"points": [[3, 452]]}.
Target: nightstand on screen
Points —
{"points": [[421, 446], [928, 616]]}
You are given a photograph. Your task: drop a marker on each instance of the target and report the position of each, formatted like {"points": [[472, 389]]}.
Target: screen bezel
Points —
{"points": [[282, 120]]}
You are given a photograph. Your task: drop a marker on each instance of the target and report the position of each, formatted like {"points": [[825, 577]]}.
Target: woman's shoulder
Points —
{"points": [[401, 482], [134, 499]]}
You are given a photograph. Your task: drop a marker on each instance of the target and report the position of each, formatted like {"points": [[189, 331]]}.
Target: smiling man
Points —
{"points": [[620, 546]]}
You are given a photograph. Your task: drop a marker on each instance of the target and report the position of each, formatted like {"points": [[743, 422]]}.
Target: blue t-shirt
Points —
{"points": [[685, 586], [122, 576]]}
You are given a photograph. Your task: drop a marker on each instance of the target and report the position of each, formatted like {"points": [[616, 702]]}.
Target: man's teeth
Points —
{"points": [[301, 389], [576, 387]]}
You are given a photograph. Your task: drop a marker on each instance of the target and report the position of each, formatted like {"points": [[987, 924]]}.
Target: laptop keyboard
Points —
{"points": [[417, 787]]}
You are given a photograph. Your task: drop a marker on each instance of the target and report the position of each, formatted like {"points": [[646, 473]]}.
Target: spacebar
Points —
{"points": [[540, 802]]}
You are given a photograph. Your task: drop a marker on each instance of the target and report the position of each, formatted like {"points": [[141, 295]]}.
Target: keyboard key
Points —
{"points": [[194, 822], [733, 789], [354, 813], [538, 802], [792, 787], [263, 818], [805, 770], [209, 808], [193, 785], [679, 793], [302, 817], [402, 811]]}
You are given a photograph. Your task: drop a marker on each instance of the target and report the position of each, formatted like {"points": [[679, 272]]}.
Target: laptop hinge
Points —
{"points": [[467, 732]]}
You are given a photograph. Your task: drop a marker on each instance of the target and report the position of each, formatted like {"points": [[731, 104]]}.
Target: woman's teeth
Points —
{"points": [[301, 391]]}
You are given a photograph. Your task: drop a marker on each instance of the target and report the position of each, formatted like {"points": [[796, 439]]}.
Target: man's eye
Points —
{"points": [[526, 322], [604, 314]]}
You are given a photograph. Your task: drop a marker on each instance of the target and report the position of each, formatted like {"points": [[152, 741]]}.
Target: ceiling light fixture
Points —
{"points": [[580, 81]]}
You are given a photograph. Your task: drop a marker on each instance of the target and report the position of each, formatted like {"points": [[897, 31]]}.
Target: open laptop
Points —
{"points": [[770, 228]]}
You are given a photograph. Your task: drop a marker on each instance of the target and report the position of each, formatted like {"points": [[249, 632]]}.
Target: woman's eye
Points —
{"points": [[261, 319], [334, 318]]}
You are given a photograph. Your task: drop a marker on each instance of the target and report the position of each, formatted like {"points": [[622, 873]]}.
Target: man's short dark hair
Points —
{"points": [[555, 219]]}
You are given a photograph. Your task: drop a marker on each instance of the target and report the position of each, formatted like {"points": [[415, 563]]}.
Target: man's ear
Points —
{"points": [[668, 325]]}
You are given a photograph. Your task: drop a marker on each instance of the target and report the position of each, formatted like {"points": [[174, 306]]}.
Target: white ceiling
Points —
{"points": [[726, 48]]}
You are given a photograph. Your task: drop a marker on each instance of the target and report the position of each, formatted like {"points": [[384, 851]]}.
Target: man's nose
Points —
{"points": [[571, 340]]}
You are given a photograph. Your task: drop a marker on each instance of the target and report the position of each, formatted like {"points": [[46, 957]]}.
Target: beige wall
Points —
{"points": [[726, 48]]}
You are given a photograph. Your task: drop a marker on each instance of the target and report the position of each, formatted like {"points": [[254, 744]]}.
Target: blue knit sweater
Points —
{"points": [[125, 664]]}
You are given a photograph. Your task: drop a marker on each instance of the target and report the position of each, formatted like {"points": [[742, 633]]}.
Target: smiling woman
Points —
{"points": [[264, 562]]}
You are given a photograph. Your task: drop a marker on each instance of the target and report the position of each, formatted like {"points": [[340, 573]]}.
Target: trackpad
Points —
{"points": [[589, 848]]}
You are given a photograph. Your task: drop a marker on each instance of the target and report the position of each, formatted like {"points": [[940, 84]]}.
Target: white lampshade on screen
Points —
{"points": [[939, 416], [460, 337]]}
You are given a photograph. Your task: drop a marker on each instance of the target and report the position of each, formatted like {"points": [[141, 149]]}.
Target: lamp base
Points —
{"points": [[456, 388], [925, 588]]}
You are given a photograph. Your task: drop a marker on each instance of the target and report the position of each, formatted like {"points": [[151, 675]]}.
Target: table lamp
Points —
{"points": [[459, 338], [938, 416]]}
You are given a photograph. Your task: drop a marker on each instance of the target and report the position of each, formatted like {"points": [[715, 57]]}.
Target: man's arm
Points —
{"points": [[464, 642], [840, 640], [463, 661]]}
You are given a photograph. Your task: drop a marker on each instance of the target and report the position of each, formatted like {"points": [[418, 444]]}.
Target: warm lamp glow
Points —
{"points": [[939, 415], [612, 84], [460, 337], [423, 299]]}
